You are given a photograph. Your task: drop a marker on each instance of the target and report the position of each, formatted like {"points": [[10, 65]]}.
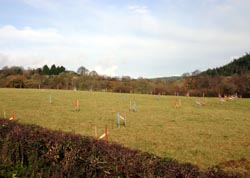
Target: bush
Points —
{"points": [[32, 151]]}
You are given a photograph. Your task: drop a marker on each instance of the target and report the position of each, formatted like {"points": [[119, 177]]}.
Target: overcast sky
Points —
{"points": [[137, 38]]}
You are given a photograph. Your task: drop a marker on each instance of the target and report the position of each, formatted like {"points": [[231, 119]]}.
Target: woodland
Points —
{"points": [[230, 79]]}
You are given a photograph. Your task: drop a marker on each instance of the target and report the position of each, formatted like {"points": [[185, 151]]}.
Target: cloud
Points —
{"points": [[4, 59], [118, 38], [119, 54], [42, 4], [142, 10], [21, 59], [10, 34], [109, 71], [139, 19], [108, 64]]}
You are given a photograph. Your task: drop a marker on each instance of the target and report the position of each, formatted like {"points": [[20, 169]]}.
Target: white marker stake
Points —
{"points": [[122, 117], [4, 114], [198, 104], [102, 136], [50, 99]]}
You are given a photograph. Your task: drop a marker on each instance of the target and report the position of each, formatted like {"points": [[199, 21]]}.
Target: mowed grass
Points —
{"points": [[204, 136]]}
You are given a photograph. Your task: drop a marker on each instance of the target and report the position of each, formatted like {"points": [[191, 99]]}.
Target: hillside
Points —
{"points": [[168, 79], [237, 66]]}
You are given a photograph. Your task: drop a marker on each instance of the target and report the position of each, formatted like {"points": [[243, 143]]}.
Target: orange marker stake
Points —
{"points": [[219, 96], [12, 116], [105, 134], [175, 104], [76, 105]]}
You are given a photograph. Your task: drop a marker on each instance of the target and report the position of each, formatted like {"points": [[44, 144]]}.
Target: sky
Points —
{"points": [[136, 38]]}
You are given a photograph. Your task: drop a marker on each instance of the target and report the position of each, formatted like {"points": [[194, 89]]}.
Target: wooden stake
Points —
{"points": [[130, 105], [95, 131], [124, 122], [106, 133]]}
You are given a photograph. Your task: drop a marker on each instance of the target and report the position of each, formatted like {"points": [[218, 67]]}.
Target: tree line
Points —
{"points": [[211, 82], [237, 66], [53, 70]]}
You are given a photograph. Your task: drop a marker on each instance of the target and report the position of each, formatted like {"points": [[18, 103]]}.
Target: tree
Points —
{"points": [[185, 74], [46, 70], [53, 70], [15, 70], [82, 70], [196, 72], [60, 69], [39, 71], [93, 73], [15, 81]]}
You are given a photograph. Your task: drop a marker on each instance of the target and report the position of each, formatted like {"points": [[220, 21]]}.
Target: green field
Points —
{"points": [[204, 136]]}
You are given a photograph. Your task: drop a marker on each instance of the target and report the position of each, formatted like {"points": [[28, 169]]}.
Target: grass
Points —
{"points": [[204, 136]]}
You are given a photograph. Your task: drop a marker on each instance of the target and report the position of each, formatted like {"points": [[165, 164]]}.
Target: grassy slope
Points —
{"points": [[204, 136]]}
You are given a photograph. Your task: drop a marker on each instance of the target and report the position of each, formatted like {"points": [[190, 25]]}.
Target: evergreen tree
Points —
{"points": [[53, 70], [60, 69], [240, 65], [46, 70]]}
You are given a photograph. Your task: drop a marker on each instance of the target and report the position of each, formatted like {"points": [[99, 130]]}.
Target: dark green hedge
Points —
{"points": [[32, 151]]}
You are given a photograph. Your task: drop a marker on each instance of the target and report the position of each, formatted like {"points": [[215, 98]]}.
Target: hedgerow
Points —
{"points": [[32, 151]]}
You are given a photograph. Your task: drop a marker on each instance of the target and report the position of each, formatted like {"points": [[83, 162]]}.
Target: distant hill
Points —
{"points": [[237, 66], [169, 79]]}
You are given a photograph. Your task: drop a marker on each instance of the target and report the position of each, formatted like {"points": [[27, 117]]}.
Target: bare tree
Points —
{"points": [[82, 70], [196, 72], [93, 73]]}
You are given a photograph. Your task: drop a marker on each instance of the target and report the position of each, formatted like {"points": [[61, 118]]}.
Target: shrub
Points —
{"points": [[32, 151]]}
